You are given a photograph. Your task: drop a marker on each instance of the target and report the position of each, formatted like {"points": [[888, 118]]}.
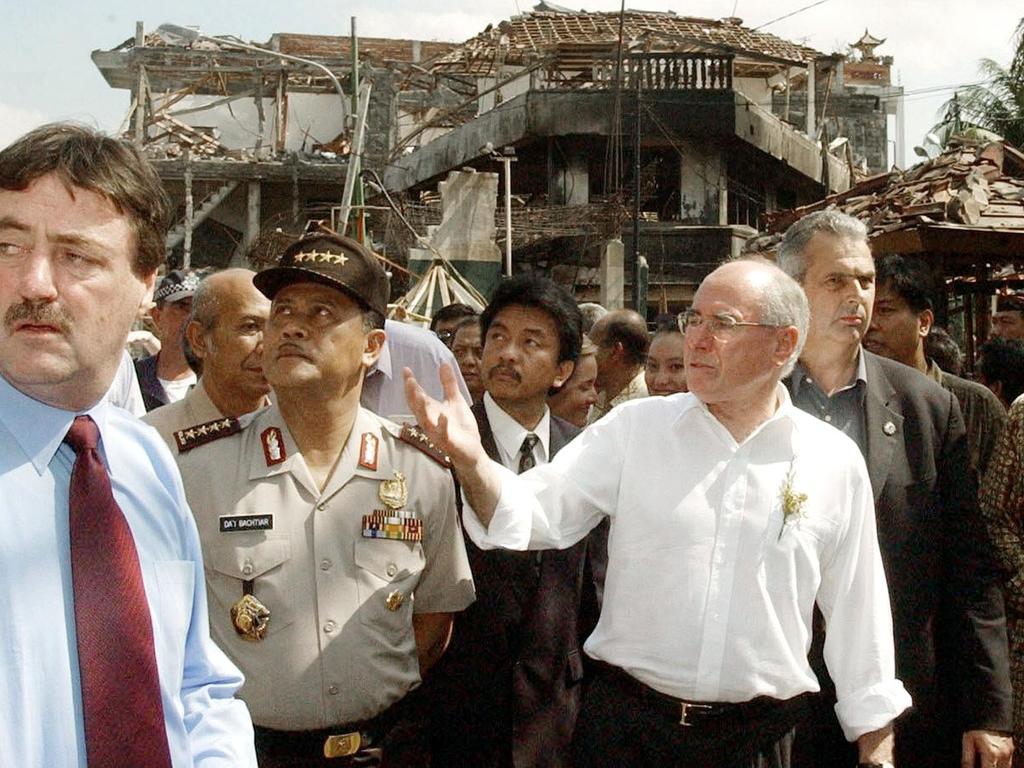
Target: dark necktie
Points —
{"points": [[123, 715], [526, 460]]}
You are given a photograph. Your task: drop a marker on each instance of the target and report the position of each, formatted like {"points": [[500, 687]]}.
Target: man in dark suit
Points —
{"points": [[507, 692], [948, 612]]}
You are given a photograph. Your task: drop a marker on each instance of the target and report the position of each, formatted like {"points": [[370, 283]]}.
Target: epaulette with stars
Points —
{"points": [[415, 437], [201, 434]]}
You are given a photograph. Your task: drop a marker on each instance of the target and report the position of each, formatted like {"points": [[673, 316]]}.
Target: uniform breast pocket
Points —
{"points": [[266, 565], [387, 572]]}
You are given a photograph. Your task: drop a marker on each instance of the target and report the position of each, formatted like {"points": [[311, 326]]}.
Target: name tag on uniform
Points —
{"points": [[238, 523], [387, 525]]}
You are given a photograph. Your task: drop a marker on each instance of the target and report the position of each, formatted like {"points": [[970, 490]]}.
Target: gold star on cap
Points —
{"points": [[324, 257], [331, 260]]}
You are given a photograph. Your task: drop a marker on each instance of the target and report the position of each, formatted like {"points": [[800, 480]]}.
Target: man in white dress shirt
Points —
{"points": [[731, 512]]}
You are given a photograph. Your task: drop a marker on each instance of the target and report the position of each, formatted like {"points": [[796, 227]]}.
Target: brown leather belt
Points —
{"points": [[683, 712]]}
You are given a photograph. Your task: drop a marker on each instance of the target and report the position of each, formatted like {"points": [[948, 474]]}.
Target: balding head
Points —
{"points": [[743, 333], [625, 327], [781, 300], [226, 334], [621, 340], [219, 290]]}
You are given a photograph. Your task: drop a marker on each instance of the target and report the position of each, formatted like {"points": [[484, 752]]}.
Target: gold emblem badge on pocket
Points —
{"points": [[250, 617], [394, 600]]}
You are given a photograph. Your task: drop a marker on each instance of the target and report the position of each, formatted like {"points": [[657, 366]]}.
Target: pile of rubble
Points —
{"points": [[971, 184]]}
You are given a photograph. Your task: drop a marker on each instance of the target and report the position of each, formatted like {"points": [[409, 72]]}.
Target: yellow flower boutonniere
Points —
{"points": [[792, 502]]}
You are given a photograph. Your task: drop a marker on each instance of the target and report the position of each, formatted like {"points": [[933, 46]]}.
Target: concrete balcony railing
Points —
{"points": [[653, 71]]}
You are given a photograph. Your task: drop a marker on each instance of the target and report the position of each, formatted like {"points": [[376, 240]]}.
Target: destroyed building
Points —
{"points": [[572, 93], [248, 137], [854, 97], [252, 137]]}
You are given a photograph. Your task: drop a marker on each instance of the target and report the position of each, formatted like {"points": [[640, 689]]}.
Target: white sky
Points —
{"points": [[46, 73]]}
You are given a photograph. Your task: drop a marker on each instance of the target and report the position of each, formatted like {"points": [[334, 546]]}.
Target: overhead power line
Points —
{"points": [[791, 13]]}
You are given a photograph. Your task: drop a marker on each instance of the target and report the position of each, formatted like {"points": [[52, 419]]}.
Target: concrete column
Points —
{"points": [[466, 235], [569, 177], [611, 275], [252, 216], [812, 120], [899, 156]]}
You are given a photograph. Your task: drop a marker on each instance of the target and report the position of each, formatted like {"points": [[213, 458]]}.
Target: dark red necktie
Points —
{"points": [[124, 719]]}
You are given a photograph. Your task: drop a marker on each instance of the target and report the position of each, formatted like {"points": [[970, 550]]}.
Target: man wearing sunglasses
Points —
{"points": [[731, 512]]}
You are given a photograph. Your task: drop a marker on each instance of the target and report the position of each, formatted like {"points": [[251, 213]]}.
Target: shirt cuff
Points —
{"points": [[511, 524], [871, 708]]}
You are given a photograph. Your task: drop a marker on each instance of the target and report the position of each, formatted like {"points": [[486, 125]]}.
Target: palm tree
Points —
{"points": [[996, 105]]}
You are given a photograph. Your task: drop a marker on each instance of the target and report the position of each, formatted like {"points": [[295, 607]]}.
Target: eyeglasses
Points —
{"points": [[720, 326], [445, 336]]}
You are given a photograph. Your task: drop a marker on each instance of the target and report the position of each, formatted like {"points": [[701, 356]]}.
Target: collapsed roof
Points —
{"points": [[967, 201], [529, 35]]}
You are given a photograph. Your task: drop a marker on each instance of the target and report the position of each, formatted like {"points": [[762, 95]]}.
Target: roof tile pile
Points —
{"points": [[973, 184], [529, 34]]}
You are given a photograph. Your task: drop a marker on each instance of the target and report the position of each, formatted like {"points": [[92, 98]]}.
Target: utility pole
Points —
{"points": [[506, 157], [634, 261], [359, 225]]}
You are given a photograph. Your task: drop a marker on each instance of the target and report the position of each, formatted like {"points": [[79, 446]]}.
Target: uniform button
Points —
{"points": [[247, 568], [321, 507], [392, 569], [325, 564], [828, 418], [333, 690], [329, 627]]}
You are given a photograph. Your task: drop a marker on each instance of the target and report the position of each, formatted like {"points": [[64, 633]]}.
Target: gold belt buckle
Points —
{"points": [[687, 708], [342, 744]]}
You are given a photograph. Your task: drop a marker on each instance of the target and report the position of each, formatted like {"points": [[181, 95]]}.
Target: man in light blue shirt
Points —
{"points": [[407, 346], [82, 219]]}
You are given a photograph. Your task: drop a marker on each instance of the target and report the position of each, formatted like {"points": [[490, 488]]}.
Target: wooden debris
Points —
{"points": [[971, 184]]}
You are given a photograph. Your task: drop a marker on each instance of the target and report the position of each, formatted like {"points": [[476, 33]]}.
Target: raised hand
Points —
{"points": [[451, 427], [449, 424]]}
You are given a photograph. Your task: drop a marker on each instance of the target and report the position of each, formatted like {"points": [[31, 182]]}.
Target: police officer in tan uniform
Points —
{"points": [[225, 333], [334, 558]]}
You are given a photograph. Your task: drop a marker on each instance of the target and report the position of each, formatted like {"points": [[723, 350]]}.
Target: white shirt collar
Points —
{"points": [[509, 434], [784, 409]]}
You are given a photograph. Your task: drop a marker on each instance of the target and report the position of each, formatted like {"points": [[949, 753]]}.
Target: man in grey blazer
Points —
{"points": [[948, 615]]}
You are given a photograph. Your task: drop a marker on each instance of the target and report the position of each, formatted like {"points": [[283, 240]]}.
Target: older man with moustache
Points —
{"points": [[1008, 320], [225, 333], [731, 513], [336, 559], [106, 657]]}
